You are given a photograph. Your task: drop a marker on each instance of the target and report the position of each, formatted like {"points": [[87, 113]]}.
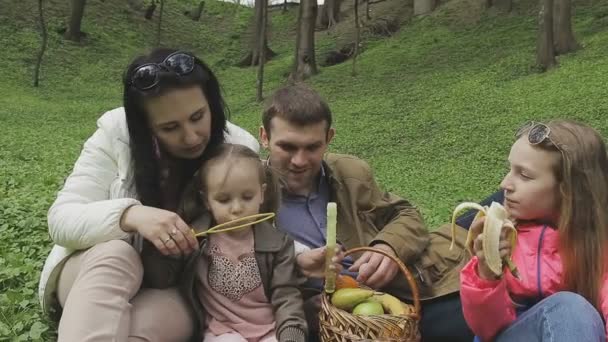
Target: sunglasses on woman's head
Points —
{"points": [[537, 133], [146, 76]]}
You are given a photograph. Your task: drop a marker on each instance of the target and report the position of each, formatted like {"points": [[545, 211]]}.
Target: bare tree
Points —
{"points": [[423, 6], [196, 14], [262, 56], [150, 10], [564, 40], [545, 55], [332, 8], [160, 22], [504, 6], [284, 6], [42, 45], [253, 56], [73, 32], [357, 38], [305, 64], [328, 13]]}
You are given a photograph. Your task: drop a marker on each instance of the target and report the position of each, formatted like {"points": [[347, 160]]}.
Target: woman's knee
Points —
{"points": [[150, 321], [121, 257]]}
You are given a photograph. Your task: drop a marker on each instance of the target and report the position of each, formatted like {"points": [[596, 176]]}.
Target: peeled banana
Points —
{"points": [[496, 218], [348, 298]]}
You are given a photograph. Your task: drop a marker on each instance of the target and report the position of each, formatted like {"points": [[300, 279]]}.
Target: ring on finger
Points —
{"points": [[173, 232], [165, 241]]}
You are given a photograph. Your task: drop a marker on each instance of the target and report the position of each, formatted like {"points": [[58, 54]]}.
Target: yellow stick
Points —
{"points": [[330, 248], [220, 227]]}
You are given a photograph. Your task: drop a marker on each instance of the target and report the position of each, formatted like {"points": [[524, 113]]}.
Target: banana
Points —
{"points": [[391, 304], [347, 299], [496, 218]]}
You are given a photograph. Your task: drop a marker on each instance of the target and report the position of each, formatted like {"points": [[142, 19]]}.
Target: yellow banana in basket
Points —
{"points": [[496, 218], [391, 304]]}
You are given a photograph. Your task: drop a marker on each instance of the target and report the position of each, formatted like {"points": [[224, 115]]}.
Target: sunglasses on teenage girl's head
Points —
{"points": [[537, 133], [146, 76]]}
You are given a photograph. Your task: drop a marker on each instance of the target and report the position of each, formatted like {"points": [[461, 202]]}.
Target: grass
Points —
{"points": [[433, 109]]}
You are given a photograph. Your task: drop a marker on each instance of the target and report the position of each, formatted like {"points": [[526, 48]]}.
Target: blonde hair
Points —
{"points": [[582, 173]]}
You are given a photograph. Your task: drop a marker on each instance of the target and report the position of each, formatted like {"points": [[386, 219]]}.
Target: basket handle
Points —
{"points": [[402, 267]]}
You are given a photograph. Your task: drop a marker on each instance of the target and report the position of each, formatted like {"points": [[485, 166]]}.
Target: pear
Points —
{"points": [[368, 308], [347, 299]]}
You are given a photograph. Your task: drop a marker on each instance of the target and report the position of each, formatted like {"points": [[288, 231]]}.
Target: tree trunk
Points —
{"points": [[262, 57], [136, 5], [563, 36], [284, 6], [160, 22], [43, 44], [503, 6], [253, 57], [357, 38], [545, 55], [73, 32], [150, 11], [423, 6], [367, 14], [196, 15], [328, 13], [332, 8], [305, 64]]}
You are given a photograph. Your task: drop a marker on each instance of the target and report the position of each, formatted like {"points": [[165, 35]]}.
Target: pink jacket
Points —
{"points": [[489, 305]]}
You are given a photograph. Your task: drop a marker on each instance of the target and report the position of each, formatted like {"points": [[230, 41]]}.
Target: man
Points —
{"points": [[296, 131]]}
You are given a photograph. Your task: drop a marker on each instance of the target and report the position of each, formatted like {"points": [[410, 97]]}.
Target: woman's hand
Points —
{"points": [[163, 228], [504, 247], [312, 262]]}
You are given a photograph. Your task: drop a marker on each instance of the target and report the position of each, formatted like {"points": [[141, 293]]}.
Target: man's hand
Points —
{"points": [[312, 262], [376, 270]]}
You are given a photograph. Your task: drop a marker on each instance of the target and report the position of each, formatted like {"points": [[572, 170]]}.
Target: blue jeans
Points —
{"points": [[466, 219], [563, 316]]}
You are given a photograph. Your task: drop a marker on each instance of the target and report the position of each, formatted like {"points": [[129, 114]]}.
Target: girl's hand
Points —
{"points": [[312, 263], [163, 228], [504, 247]]}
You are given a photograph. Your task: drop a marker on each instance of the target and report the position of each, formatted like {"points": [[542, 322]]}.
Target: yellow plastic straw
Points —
{"points": [[220, 227]]}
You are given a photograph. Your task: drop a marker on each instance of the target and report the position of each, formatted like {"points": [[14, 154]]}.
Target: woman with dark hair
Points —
{"points": [[124, 189]]}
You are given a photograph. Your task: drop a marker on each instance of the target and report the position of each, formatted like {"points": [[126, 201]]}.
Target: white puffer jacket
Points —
{"points": [[87, 210]]}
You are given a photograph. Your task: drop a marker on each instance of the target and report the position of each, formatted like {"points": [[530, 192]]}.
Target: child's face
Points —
{"points": [[234, 189], [531, 189]]}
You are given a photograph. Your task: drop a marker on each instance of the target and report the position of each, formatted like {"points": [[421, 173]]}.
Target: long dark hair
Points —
{"points": [[143, 150]]}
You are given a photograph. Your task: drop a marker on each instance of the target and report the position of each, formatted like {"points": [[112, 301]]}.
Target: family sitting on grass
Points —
{"points": [[136, 257]]}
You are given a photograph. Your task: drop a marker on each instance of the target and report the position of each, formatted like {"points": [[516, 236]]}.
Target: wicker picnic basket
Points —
{"points": [[337, 325]]}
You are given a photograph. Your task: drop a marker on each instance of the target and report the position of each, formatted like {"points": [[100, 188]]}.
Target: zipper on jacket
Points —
{"points": [[538, 270]]}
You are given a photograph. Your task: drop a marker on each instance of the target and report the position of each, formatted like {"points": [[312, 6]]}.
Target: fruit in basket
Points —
{"points": [[368, 308], [346, 282], [347, 299], [391, 304]]}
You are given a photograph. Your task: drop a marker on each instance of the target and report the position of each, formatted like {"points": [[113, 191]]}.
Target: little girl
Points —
{"points": [[243, 283], [557, 193]]}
